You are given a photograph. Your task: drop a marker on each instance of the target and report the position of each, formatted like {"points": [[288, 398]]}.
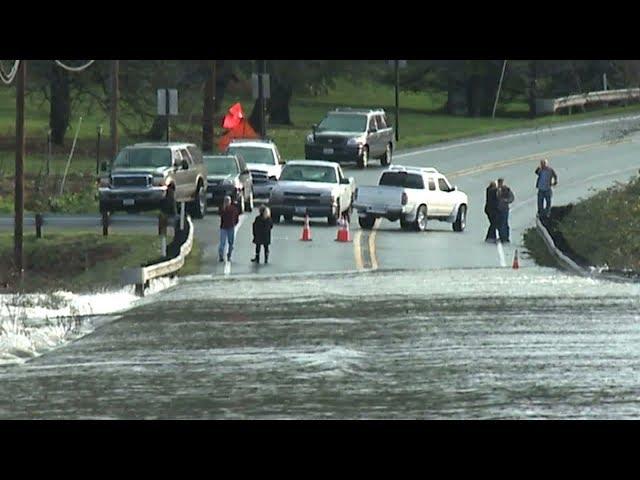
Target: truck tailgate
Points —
{"points": [[379, 197]]}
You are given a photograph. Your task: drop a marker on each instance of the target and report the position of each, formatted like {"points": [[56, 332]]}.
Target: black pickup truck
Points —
{"points": [[351, 135]]}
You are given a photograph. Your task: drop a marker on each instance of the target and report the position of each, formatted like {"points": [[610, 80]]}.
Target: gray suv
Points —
{"points": [[149, 176], [351, 135]]}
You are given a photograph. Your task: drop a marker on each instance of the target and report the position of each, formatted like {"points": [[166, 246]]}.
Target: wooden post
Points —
{"points": [[38, 225], [113, 105], [105, 224], [18, 228], [182, 214]]}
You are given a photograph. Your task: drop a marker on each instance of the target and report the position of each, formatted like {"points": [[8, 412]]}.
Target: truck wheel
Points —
{"points": [[386, 159], [275, 217], [366, 223], [250, 202], [241, 204], [170, 207], [420, 223], [406, 226], [363, 160], [199, 205], [288, 218], [333, 218], [461, 219]]}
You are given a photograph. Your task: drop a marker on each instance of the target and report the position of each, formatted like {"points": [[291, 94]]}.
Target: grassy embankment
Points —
{"points": [[80, 261], [603, 229]]}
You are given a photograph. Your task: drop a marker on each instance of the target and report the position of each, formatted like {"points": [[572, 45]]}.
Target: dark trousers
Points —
{"points": [[266, 251], [544, 203], [493, 225], [503, 225]]}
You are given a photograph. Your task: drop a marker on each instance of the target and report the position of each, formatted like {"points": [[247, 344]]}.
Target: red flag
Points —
{"points": [[232, 119], [241, 130]]}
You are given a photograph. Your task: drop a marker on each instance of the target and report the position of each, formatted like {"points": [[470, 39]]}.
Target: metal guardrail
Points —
{"points": [[562, 259], [551, 105], [80, 220], [140, 276]]}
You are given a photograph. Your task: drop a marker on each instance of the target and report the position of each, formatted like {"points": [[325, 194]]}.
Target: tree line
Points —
{"points": [[470, 85]]}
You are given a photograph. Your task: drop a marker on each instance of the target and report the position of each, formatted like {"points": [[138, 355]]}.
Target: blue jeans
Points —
{"points": [[544, 203], [503, 225], [226, 235]]}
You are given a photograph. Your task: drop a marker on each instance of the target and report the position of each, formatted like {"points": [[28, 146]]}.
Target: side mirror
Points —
{"points": [[281, 161], [246, 172], [103, 167], [454, 188], [345, 181], [372, 130], [185, 165]]}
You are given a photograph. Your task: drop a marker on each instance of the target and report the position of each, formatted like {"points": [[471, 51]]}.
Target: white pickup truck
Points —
{"points": [[411, 195]]}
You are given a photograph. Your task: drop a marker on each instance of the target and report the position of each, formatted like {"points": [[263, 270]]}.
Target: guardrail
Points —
{"points": [[140, 276], [551, 105], [562, 259]]}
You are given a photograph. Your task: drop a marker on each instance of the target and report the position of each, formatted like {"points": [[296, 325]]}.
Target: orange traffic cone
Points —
{"points": [[306, 230], [516, 264], [343, 232]]}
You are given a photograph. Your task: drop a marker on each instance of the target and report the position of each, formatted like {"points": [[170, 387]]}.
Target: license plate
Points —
{"points": [[327, 151], [209, 195], [127, 202], [300, 210]]}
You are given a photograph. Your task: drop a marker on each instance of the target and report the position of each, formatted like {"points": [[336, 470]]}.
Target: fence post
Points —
{"points": [[38, 225], [162, 231], [105, 224]]}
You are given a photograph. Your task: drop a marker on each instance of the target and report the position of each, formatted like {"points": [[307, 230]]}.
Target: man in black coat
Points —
{"points": [[491, 209], [262, 226]]}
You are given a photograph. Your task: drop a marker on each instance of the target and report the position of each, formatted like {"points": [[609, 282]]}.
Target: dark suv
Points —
{"points": [[351, 135], [229, 175], [149, 176]]}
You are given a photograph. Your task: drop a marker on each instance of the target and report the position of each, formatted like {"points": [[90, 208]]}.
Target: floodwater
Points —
{"points": [[437, 344]]}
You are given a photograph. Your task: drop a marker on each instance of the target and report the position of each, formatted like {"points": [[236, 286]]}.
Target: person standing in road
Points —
{"points": [[262, 226], [547, 178], [505, 199], [229, 216], [491, 210]]}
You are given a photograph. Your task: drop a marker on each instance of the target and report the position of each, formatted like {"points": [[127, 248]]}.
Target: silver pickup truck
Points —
{"points": [[412, 195], [314, 188]]}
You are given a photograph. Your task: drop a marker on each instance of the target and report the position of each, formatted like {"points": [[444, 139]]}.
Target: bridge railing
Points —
{"points": [[552, 105]]}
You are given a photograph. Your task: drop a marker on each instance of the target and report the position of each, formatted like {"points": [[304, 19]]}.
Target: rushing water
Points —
{"points": [[477, 343]]}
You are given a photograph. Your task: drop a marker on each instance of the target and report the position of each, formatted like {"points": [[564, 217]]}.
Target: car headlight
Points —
{"points": [[227, 181], [310, 138], [355, 141], [159, 181], [104, 182]]}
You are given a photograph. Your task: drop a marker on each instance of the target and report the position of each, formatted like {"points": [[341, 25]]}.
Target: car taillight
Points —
{"points": [[404, 199]]}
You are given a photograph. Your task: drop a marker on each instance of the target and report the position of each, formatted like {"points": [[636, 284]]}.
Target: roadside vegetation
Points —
{"points": [[602, 230], [80, 261]]}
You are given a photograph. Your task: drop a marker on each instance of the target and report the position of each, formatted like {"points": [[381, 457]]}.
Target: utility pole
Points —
{"points": [[397, 68], [495, 104], [208, 108], [115, 97], [19, 176], [263, 102]]}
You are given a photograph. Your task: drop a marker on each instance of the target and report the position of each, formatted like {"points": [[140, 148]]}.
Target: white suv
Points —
{"points": [[264, 162]]}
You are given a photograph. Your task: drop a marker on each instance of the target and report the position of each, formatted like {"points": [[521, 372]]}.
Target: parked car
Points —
{"points": [[229, 175], [412, 195], [264, 162], [149, 176], [351, 135], [314, 188]]}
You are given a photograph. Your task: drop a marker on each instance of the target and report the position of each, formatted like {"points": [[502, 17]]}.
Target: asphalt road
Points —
{"points": [[586, 156]]}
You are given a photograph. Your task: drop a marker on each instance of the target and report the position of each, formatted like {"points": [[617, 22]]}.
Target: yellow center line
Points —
{"points": [[357, 250]]}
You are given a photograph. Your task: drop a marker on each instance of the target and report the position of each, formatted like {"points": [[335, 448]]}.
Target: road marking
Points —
{"points": [[372, 244], [501, 254], [357, 252], [535, 131]]}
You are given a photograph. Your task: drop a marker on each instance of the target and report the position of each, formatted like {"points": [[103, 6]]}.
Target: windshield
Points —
{"points": [[401, 179], [143, 158], [221, 165], [254, 154], [344, 123], [309, 173]]}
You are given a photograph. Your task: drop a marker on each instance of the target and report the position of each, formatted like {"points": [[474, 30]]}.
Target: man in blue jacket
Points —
{"points": [[547, 178]]}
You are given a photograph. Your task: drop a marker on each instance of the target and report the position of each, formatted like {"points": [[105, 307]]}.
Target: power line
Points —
{"points": [[74, 69], [7, 78]]}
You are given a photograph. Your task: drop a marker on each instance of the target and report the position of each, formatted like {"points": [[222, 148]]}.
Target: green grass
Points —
{"points": [[537, 249], [79, 260]]}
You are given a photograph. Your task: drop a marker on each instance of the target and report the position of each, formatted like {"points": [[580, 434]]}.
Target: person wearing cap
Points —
{"points": [[547, 178], [229, 216]]}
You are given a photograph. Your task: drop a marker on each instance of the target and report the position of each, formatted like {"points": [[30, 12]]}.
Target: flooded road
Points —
{"points": [[475, 343]]}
